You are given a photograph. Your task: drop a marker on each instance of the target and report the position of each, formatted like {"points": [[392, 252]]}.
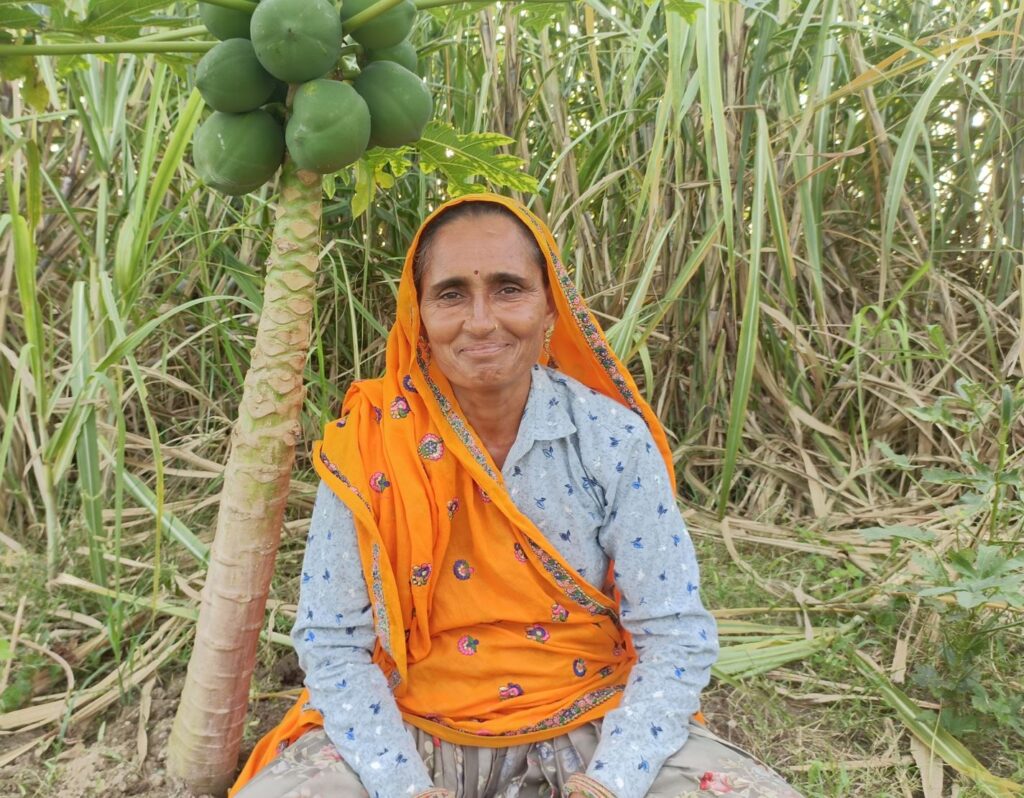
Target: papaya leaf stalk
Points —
{"points": [[136, 46], [207, 731], [235, 5]]}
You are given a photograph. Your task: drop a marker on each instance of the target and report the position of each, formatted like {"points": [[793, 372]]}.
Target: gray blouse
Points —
{"points": [[586, 471]]}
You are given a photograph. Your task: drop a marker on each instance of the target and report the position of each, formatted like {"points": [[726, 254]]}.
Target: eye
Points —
{"points": [[510, 289], [448, 296]]}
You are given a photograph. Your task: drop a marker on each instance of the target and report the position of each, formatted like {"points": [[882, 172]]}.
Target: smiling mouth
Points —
{"points": [[483, 350]]}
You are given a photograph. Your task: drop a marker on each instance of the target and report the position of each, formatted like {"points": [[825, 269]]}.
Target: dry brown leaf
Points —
{"points": [[145, 705], [930, 767]]}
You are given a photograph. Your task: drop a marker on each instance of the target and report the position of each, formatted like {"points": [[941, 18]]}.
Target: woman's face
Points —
{"points": [[483, 304]]}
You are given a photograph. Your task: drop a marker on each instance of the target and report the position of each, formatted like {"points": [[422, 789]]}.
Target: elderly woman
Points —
{"points": [[499, 596]]}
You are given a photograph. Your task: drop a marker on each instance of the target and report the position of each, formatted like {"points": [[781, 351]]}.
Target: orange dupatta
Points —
{"points": [[486, 635]]}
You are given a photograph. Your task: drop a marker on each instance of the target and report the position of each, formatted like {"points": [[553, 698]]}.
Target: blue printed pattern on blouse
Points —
{"points": [[585, 470]]}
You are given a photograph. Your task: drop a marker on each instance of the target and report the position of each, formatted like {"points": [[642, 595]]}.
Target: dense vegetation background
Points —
{"points": [[803, 227]]}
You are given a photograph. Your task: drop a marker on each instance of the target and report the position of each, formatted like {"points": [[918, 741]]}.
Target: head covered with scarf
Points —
{"points": [[455, 571]]}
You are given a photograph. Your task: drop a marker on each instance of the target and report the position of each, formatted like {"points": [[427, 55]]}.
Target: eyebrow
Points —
{"points": [[462, 282]]}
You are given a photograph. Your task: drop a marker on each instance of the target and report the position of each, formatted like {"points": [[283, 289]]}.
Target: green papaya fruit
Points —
{"points": [[225, 23], [399, 102], [237, 153], [403, 53], [385, 30], [296, 40], [329, 126], [232, 79]]}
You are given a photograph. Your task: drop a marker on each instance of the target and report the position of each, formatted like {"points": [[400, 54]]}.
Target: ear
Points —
{"points": [[552, 315]]}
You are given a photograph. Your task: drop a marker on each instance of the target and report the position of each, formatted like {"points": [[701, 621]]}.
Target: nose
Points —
{"points": [[481, 316]]}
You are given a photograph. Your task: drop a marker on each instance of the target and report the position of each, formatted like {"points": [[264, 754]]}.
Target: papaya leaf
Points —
{"points": [[462, 157], [378, 168], [18, 16], [113, 19], [365, 188]]}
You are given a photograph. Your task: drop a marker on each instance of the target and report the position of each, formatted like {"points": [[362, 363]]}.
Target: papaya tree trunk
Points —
{"points": [[207, 731]]}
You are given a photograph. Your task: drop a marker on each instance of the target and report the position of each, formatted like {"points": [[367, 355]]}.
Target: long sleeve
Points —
{"points": [[675, 637], [334, 638]]}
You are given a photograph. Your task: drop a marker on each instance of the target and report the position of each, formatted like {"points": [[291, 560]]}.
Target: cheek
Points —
{"points": [[433, 325]]}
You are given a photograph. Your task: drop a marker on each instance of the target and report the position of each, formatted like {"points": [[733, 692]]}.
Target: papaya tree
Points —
{"points": [[297, 108]]}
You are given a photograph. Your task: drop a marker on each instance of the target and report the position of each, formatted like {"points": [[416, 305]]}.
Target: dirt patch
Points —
{"points": [[104, 758]]}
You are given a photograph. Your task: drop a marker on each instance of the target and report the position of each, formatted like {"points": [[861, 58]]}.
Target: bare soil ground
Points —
{"points": [[117, 756]]}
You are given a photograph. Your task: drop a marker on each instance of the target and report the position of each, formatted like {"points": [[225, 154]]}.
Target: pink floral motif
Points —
{"points": [[431, 447], [453, 507], [330, 754], [618, 650], [379, 482], [399, 408], [559, 614], [718, 783], [462, 570], [511, 690], [421, 574], [519, 552], [537, 633], [467, 645]]}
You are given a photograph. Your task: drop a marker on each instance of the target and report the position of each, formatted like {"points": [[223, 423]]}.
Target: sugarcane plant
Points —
{"points": [[300, 89]]}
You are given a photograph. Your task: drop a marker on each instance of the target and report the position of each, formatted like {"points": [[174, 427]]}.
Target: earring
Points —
{"points": [[550, 331]]}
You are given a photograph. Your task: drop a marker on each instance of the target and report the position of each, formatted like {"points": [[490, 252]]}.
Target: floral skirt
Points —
{"points": [[706, 765]]}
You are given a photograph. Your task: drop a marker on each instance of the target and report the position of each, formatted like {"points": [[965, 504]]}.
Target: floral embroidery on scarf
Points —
{"points": [[462, 570], [579, 667], [431, 447], [483, 494], [585, 703], [378, 414], [421, 574], [606, 671], [341, 422], [399, 408], [454, 420], [537, 633], [407, 384], [559, 614], [580, 706], [380, 610], [569, 586], [331, 467], [519, 552], [453, 507], [467, 645], [379, 482]]}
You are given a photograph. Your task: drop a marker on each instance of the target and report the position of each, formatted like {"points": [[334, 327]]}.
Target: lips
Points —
{"points": [[483, 350]]}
